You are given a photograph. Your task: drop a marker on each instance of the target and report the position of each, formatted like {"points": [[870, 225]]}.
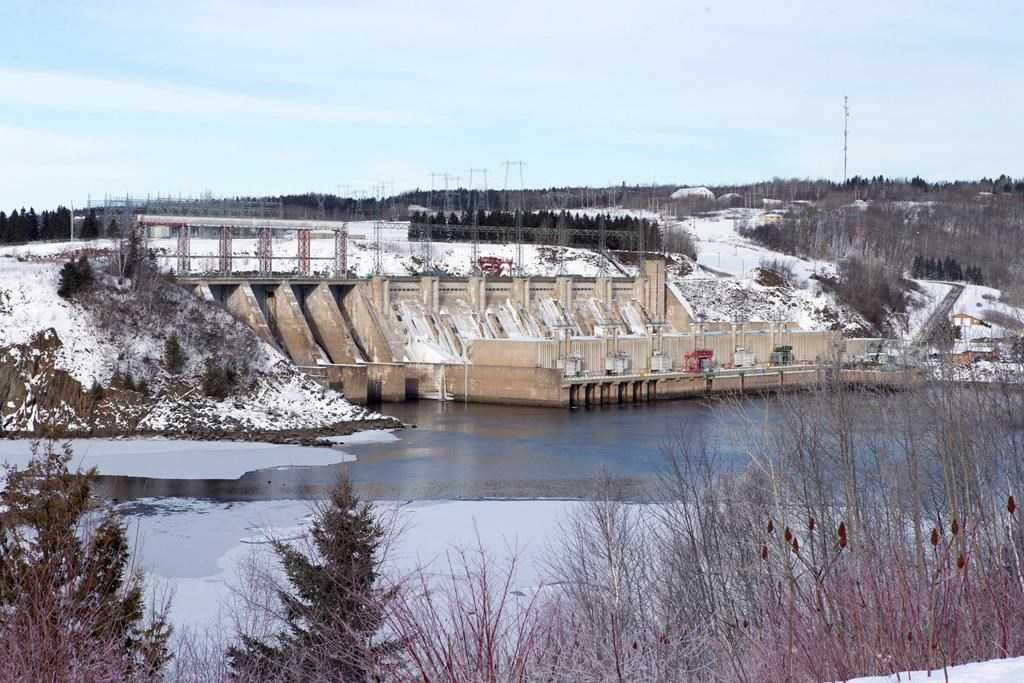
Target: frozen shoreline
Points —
{"points": [[160, 458]]}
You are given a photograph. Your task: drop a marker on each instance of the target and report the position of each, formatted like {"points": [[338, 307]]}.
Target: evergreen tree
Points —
{"points": [[90, 226], [333, 606], [66, 584], [74, 277], [174, 359]]}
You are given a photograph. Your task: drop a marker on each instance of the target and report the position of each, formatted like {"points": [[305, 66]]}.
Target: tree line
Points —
{"points": [[945, 269], [540, 227]]}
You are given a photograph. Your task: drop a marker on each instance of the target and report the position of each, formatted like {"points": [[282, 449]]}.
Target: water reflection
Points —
{"points": [[475, 451]]}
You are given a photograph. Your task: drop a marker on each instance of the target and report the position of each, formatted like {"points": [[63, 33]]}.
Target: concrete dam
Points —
{"points": [[544, 341]]}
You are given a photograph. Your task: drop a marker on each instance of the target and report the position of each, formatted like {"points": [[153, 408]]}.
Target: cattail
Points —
{"points": [[1011, 505], [764, 552], [955, 527], [635, 646], [796, 545], [842, 530], [746, 624], [842, 542], [910, 636], [771, 527], [810, 524], [935, 536], [788, 535], [960, 561]]}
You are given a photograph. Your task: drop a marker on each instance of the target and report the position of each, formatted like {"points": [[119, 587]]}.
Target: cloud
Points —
{"points": [[78, 93]]}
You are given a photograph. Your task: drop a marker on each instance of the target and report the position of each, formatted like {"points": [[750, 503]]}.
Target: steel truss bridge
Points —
{"points": [[228, 228]]}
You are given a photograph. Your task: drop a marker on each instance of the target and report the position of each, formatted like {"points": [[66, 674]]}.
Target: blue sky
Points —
{"points": [[248, 97]]}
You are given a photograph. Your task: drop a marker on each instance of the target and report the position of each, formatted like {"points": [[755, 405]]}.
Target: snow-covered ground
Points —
{"points": [[721, 249], [993, 671], [117, 333]]}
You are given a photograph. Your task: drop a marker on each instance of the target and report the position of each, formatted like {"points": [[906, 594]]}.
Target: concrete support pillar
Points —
{"points": [[380, 291], [620, 393], [654, 291], [241, 302], [292, 327], [521, 291], [563, 292], [430, 293], [637, 387], [477, 293], [329, 326], [588, 395]]}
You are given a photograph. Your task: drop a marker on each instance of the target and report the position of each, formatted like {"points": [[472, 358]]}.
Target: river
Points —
{"points": [[473, 451]]}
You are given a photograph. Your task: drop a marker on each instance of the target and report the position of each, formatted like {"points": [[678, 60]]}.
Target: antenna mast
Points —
{"points": [[846, 131]]}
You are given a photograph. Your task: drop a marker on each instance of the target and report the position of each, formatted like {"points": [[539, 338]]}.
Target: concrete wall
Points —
{"points": [[329, 326], [290, 325], [241, 302], [365, 321], [502, 384]]}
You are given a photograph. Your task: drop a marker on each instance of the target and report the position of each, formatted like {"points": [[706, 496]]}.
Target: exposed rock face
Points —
{"points": [[37, 398]]}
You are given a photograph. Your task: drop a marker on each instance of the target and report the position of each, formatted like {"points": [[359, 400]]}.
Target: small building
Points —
{"points": [[967, 320]]}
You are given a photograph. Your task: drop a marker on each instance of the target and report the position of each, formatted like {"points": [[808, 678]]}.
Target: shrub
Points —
{"points": [[218, 380], [74, 277], [174, 359], [72, 604]]}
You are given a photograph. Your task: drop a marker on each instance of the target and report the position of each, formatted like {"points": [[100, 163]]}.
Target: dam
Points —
{"points": [[561, 341]]}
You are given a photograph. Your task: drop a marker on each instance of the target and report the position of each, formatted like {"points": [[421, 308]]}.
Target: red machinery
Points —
{"points": [[492, 265], [698, 360]]}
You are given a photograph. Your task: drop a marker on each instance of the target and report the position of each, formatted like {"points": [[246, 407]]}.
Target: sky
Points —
{"points": [[244, 97]]}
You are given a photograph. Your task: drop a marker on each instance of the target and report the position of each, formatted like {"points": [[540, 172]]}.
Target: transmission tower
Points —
{"points": [[519, 206], [377, 265], [602, 245], [474, 208], [563, 243]]}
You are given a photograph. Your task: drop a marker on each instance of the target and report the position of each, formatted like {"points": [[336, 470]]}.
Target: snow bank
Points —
{"points": [[171, 459], [992, 671]]}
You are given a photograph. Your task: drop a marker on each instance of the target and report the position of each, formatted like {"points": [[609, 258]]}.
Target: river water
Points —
{"points": [[475, 451]]}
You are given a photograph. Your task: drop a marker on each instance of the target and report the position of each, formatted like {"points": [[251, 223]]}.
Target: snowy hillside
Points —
{"points": [[95, 365], [730, 283]]}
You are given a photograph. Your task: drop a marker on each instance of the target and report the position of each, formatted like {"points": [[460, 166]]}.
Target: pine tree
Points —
{"points": [[90, 226], [333, 606], [74, 277], [66, 578]]}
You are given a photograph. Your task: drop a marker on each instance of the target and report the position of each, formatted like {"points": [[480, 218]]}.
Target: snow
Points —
{"points": [[29, 304], [692, 192], [198, 546], [923, 303], [722, 249], [992, 671], [279, 396], [173, 459]]}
